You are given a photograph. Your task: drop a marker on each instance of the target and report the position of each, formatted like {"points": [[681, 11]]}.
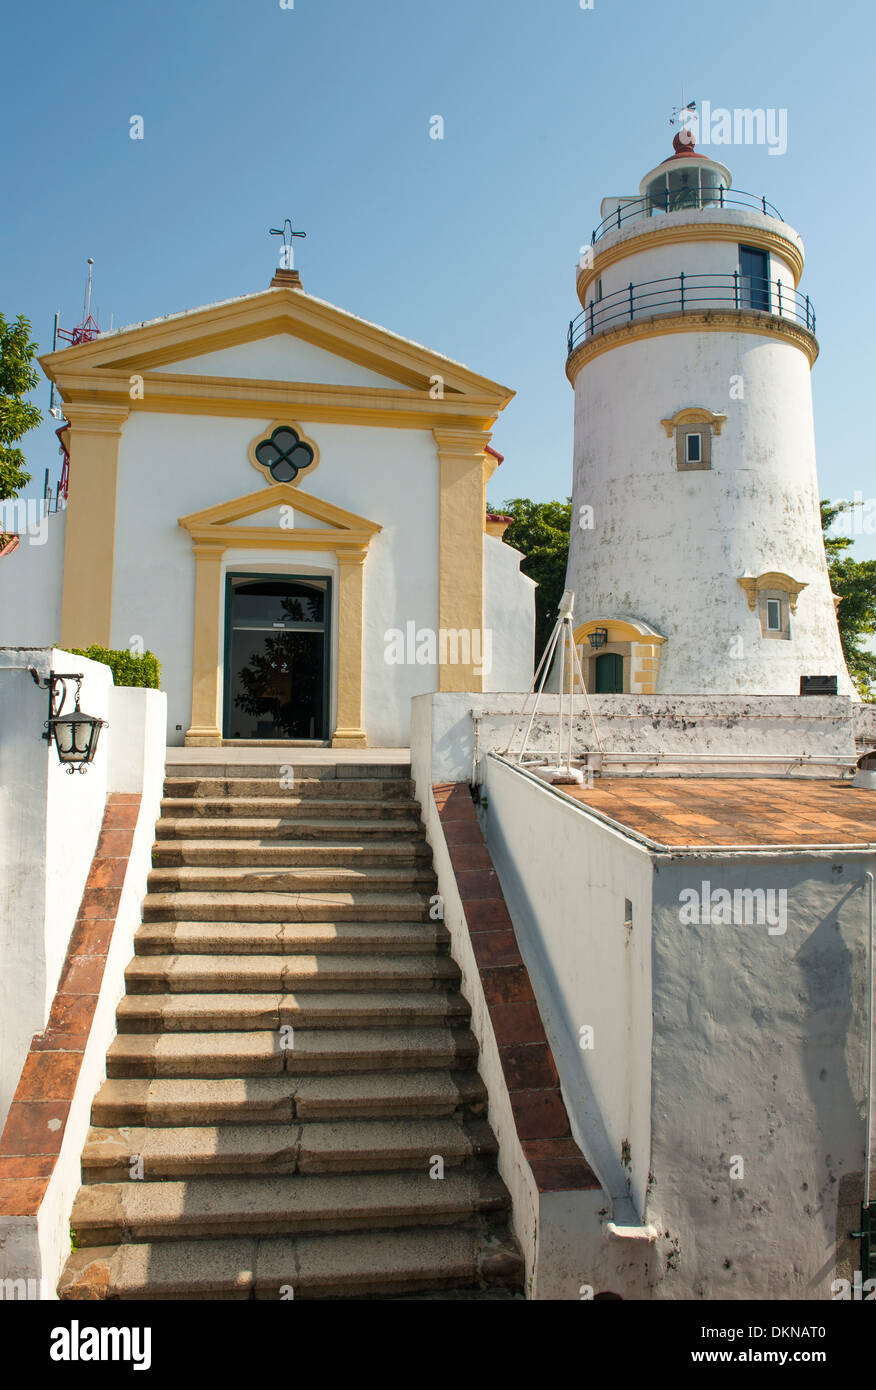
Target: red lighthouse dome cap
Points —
{"points": [[683, 142]]}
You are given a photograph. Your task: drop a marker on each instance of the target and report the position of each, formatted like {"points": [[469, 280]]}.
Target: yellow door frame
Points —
{"points": [[213, 531]]}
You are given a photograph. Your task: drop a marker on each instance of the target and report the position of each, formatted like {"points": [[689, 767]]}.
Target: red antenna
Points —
{"points": [[88, 329]]}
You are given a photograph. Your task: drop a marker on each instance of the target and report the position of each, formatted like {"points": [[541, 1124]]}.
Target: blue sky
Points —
{"points": [[253, 112]]}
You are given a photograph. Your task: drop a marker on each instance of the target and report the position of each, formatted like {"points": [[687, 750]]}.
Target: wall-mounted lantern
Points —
{"points": [[75, 734], [598, 637]]}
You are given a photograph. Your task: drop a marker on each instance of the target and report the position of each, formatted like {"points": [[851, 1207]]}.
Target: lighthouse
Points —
{"points": [[696, 549]]}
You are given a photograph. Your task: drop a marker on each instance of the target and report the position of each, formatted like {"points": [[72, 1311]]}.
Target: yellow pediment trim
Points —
{"points": [[771, 579], [215, 526], [148, 346], [694, 415], [619, 630]]}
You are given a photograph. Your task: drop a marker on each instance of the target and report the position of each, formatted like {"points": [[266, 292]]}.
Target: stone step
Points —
{"points": [[290, 807], [255, 878], [280, 1099], [260, 1053], [189, 974], [113, 1213], [199, 1013], [474, 1261], [323, 772], [303, 828], [290, 939], [345, 1146], [288, 854], [286, 907], [303, 788]]}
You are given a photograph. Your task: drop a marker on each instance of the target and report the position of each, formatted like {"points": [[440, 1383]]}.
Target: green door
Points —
{"points": [[610, 674]]}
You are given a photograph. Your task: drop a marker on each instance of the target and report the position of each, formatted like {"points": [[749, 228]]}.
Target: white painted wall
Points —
{"points": [[31, 577], [654, 734], [759, 1051], [667, 546], [566, 887], [509, 613], [135, 744], [49, 826], [388, 476]]}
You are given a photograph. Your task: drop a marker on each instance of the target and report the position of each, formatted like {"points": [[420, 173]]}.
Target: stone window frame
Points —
{"points": [[782, 597], [693, 419], [773, 584]]}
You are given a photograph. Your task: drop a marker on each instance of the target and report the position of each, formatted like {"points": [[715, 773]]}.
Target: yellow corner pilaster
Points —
{"points": [[349, 731], [461, 553], [206, 656], [89, 545]]}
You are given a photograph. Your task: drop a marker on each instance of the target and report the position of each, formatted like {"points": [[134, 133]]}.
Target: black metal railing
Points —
{"points": [[691, 294], [683, 200]]}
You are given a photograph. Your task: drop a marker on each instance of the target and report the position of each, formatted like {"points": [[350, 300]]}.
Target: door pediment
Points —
{"points": [[235, 523]]}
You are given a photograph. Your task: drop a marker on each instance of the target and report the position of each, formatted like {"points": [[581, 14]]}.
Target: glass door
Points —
{"points": [[754, 278], [277, 657]]}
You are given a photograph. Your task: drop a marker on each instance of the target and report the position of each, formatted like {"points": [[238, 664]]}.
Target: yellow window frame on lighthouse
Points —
{"points": [[694, 419], [213, 531]]}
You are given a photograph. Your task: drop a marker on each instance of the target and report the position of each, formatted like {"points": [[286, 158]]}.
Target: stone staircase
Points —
{"points": [[293, 1055]]}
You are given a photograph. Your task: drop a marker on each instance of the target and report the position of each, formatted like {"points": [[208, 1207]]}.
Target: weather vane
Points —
{"points": [[286, 232], [684, 116]]}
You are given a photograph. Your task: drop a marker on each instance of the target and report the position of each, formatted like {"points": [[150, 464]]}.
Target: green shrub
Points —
{"points": [[127, 667]]}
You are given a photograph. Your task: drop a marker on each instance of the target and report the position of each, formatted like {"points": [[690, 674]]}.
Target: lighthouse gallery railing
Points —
{"points": [[691, 293], [682, 200]]}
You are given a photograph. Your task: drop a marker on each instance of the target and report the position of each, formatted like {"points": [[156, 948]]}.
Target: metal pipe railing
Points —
{"points": [[682, 200], [682, 293]]}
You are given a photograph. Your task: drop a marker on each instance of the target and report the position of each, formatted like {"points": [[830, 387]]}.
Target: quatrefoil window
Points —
{"points": [[284, 454]]}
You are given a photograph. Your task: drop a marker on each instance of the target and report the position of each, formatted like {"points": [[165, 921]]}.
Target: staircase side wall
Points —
{"points": [[67, 1061], [49, 824]]}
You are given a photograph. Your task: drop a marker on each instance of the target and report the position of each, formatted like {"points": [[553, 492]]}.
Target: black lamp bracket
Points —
{"points": [[56, 684]]}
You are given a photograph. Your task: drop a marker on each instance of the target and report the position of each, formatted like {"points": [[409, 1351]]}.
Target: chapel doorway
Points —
{"points": [[277, 655]]}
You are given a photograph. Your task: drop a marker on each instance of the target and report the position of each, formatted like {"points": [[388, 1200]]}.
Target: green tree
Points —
{"points": [[18, 376], [854, 582], [541, 531]]}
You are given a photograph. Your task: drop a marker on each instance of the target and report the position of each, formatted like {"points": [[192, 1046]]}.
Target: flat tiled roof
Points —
{"points": [[702, 812]]}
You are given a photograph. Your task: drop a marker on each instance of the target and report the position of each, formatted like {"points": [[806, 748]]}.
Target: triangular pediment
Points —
{"points": [[284, 516], [281, 357], [280, 516], [175, 344]]}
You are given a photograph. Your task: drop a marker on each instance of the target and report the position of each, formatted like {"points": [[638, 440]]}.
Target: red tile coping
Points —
{"points": [[527, 1060], [37, 1118]]}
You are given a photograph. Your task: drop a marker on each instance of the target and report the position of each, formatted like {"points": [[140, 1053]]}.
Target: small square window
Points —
{"points": [[774, 615], [693, 446]]}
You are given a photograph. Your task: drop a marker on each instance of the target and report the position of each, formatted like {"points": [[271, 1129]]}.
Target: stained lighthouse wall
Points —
{"points": [[669, 546]]}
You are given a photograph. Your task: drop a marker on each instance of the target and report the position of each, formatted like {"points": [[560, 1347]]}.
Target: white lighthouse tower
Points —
{"points": [[696, 550]]}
